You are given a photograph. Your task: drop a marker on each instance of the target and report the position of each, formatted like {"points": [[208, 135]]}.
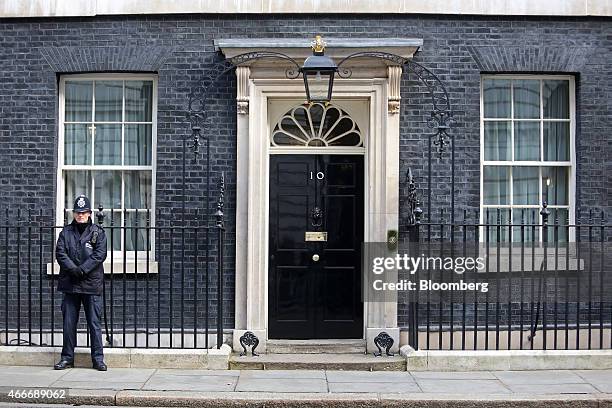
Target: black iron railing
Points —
{"points": [[163, 284], [549, 281]]}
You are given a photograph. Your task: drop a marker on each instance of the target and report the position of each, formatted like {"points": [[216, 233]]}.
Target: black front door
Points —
{"points": [[316, 231]]}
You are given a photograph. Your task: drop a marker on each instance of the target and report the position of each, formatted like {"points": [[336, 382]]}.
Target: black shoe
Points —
{"points": [[63, 364], [100, 366]]}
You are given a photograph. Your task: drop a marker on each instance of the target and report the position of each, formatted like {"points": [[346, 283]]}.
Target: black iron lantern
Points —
{"points": [[318, 71]]}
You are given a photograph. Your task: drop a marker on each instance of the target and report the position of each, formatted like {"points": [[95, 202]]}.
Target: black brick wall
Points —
{"points": [[33, 53]]}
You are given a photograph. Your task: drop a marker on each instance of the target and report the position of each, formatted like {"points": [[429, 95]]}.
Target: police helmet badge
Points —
{"points": [[81, 202]]}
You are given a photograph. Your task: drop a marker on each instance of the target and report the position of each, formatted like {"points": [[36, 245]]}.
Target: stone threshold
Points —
{"points": [[204, 359]]}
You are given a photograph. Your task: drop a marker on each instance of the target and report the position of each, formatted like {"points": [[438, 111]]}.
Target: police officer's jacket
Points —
{"points": [[87, 251]]}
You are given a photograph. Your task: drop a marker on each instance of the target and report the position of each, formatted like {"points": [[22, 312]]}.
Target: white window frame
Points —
{"points": [[116, 255], [571, 164]]}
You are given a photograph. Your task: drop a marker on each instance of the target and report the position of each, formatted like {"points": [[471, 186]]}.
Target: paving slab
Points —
{"points": [[453, 375], [369, 377], [374, 387], [600, 379], [463, 386], [97, 385], [190, 372], [282, 385], [553, 388], [129, 375], [163, 381], [319, 374], [539, 377], [37, 379]]}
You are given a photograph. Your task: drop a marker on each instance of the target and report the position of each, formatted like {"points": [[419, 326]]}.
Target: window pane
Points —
{"points": [[78, 101], [113, 221], [525, 185], [497, 141], [527, 98], [526, 140], [136, 237], [558, 217], [137, 189], [556, 141], [76, 182], [496, 184], [107, 145], [109, 100], [555, 182], [138, 101], [556, 99], [107, 189], [526, 217], [77, 144], [138, 145], [497, 220], [496, 98]]}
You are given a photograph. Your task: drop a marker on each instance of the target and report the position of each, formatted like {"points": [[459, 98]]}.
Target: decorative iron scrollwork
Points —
{"points": [[221, 202], [441, 113], [414, 209], [383, 340], [248, 339], [317, 217]]}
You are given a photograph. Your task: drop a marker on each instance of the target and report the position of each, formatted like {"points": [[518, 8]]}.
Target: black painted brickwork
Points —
{"points": [[34, 52]]}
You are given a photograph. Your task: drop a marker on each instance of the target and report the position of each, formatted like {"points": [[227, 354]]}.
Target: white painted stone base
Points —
{"points": [[372, 332], [204, 359], [464, 360], [261, 335]]}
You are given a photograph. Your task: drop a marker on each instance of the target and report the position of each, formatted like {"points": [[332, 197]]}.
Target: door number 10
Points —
{"points": [[320, 175]]}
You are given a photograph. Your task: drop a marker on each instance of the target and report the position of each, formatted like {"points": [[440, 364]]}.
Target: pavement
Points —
{"points": [[304, 388]]}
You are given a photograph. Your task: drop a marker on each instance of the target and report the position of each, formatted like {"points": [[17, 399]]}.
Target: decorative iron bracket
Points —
{"points": [[383, 340], [249, 339]]}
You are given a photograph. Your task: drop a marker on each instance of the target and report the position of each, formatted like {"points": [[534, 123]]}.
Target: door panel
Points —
{"points": [[315, 299]]}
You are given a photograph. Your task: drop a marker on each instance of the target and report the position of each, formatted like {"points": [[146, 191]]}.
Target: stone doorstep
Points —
{"points": [[309, 361], [340, 346], [502, 360], [211, 359]]}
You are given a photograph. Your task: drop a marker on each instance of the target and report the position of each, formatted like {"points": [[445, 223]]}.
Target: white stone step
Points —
{"points": [[340, 346], [347, 362]]}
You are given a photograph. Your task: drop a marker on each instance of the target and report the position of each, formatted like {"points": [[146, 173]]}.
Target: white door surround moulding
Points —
{"points": [[381, 195]]}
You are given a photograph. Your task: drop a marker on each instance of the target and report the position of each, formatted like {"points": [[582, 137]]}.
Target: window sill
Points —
{"points": [[131, 267]]}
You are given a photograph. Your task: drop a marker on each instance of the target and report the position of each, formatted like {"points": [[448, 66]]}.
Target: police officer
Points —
{"points": [[80, 252]]}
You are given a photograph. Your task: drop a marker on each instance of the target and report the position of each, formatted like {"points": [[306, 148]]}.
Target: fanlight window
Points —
{"points": [[316, 125]]}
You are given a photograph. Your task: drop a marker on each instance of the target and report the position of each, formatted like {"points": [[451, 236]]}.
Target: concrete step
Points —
{"points": [[304, 361], [340, 346]]}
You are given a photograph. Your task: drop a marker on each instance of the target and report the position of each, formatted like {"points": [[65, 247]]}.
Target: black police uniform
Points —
{"points": [[80, 252]]}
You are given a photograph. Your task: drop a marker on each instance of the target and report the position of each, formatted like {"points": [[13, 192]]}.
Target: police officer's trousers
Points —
{"points": [[71, 306]]}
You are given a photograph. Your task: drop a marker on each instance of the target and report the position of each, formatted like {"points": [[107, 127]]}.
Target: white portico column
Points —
{"points": [[384, 203], [242, 211]]}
